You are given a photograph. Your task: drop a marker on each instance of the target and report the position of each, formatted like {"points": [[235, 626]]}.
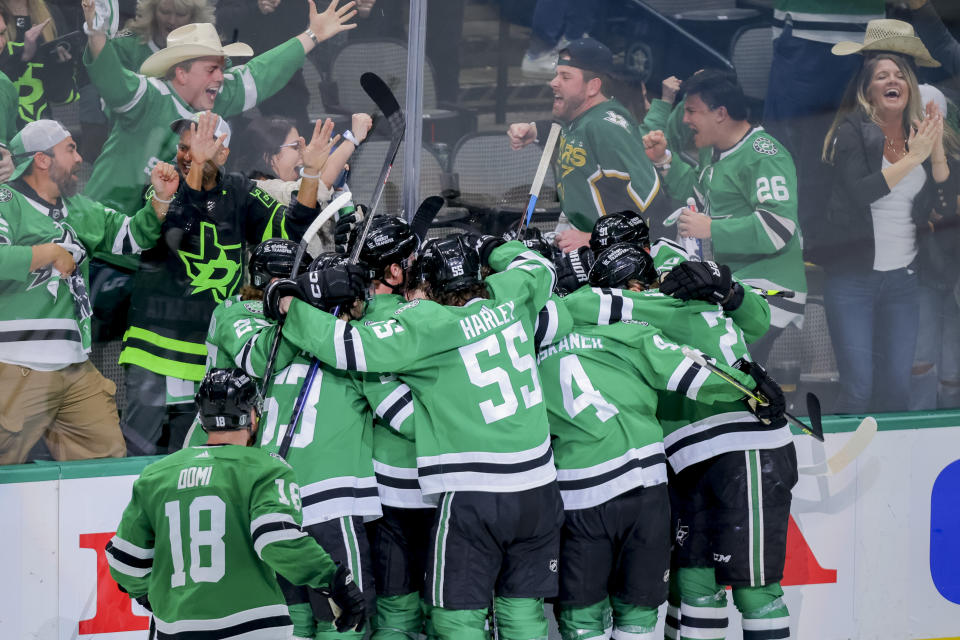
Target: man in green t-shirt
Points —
{"points": [[600, 166]]}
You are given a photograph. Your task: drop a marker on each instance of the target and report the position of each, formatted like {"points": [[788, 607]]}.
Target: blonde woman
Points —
{"points": [[891, 171], [147, 32], [39, 78]]}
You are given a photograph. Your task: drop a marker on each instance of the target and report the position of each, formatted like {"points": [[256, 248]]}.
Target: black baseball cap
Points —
{"points": [[587, 54]]}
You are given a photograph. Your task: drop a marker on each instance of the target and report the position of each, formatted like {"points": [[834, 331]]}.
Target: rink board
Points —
{"points": [[874, 553]]}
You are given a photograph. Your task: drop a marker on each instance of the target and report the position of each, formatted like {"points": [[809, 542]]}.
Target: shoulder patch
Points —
{"points": [[617, 119], [765, 145], [6, 195], [409, 305], [253, 306]]}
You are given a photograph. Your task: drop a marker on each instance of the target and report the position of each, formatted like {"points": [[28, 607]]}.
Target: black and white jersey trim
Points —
{"points": [[548, 321], [273, 527], [487, 471], [523, 259], [271, 621], [348, 347], [688, 378], [722, 433], [591, 486], [129, 559], [779, 229], [396, 407], [339, 497], [614, 306]]}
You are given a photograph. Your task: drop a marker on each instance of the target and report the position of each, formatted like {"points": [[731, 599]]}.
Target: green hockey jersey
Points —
{"points": [[143, 108], [204, 535], [332, 446], [693, 431], [473, 368], [600, 383], [750, 193], [601, 167], [394, 451], [45, 319]]}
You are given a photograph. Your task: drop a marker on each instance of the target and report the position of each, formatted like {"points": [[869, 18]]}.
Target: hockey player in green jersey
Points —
{"points": [[399, 540], [601, 382], [708, 447], [486, 456], [746, 181], [207, 528], [47, 233], [600, 165]]}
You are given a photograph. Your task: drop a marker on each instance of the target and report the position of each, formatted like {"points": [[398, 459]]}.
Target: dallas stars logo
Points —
{"points": [[765, 146], [67, 240], [210, 269]]}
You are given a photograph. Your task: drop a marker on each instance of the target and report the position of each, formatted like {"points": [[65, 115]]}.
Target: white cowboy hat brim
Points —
{"points": [[904, 45], [158, 63]]}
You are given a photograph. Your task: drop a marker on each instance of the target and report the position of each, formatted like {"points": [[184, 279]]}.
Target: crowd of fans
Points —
{"points": [[858, 180]]}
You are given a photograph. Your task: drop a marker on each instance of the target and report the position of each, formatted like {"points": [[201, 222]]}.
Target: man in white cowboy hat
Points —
{"points": [[933, 32], [186, 76], [49, 387]]}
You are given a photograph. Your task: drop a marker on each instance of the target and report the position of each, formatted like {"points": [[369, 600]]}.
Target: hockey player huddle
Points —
{"points": [[477, 430]]}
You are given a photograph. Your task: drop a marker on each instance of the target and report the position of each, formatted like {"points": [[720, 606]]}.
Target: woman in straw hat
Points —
{"points": [[891, 171]]}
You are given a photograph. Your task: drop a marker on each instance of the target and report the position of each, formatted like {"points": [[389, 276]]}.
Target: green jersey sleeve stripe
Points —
{"points": [[273, 527], [348, 347], [137, 96], [687, 378], [124, 243], [396, 407], [251, 619], [778, 228], [126, 564], [545, 329], [131, 549]]}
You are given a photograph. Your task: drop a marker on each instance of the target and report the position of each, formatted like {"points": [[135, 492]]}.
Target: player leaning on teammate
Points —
{"points": [[208, 528], [485, 457], [601, 381]]}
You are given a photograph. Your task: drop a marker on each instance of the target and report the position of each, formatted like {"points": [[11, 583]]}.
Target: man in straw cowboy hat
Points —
{"points": [[890, 36], [186, 76]]}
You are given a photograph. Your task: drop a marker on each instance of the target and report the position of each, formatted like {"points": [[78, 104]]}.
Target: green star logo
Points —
{"points": [[210, 269]]}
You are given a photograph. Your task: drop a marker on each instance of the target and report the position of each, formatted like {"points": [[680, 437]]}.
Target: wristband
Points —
{"points": [[310, 34], [536, 139], [349, 137], [308, 175], [161, 201], [665, 163]]}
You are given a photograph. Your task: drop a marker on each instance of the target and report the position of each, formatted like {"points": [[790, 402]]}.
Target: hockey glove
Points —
{"points": [[572, 269], [342, 594], [484, 245], [706, 281], [768, 389], [345, 228], [334, 286], [274, 292]]}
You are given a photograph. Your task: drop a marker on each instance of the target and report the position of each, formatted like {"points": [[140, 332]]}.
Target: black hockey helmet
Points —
{"points": [[621, 226], [273, 259], [225, 399], [448, 265], [389, 241], [620, 263], [533, 239]]}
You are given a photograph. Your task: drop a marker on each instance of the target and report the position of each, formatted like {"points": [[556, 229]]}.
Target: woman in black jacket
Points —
{"points": [[891, 172]]}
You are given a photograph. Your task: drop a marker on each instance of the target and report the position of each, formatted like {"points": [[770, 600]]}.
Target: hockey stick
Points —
{"points": [[538, 177], [328, 212], [853, 447], [424, 216], [699, 358], [381, 95], [814, 412]]}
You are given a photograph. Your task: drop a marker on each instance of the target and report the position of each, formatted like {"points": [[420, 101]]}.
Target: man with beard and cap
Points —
{"points": [[50, 388], [199, 263], [600, 166]]}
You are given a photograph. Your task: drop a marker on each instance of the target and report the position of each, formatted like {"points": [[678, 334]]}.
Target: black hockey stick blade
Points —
{"points": [[424, 216], [374, 86], [815, 414]]}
